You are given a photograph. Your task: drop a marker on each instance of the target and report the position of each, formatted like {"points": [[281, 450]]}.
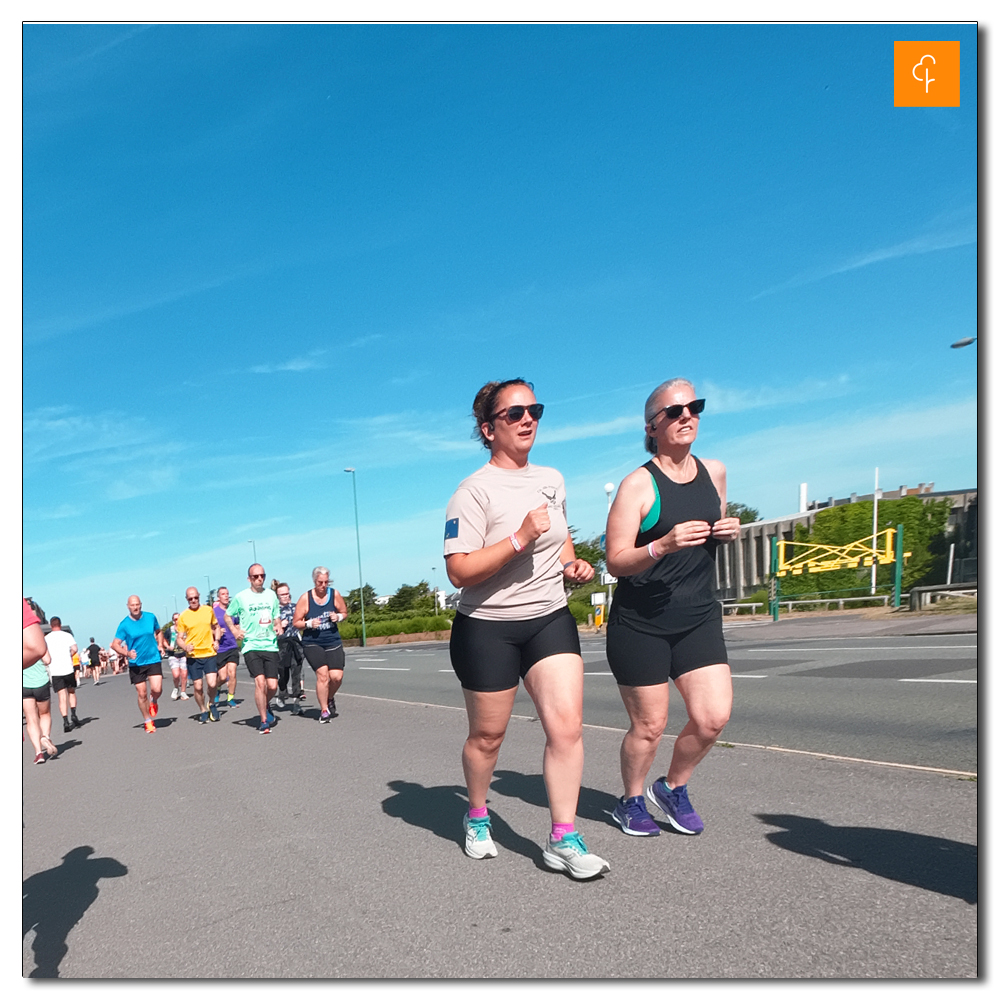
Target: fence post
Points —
{"points": [[898, 575], [773, 588]]}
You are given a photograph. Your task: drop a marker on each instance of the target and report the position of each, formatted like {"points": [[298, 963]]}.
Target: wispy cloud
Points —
{"points": [[580, 432], [311, 361], [945, 239], [728, 400]]}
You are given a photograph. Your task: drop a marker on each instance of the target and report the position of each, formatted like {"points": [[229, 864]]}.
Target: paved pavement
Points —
{"points": [[334, 851]]}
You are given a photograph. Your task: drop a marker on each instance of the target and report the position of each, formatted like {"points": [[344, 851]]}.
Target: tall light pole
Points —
{"points": [[174, 596], [209, 587], [357, 535], [434, 581], [250, 541]]}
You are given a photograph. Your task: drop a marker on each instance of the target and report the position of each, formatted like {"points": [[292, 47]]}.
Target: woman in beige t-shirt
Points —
{"points": [[507, 545]]}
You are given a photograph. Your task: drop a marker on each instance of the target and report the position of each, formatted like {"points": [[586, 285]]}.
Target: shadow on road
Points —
{"points": [[945, 866], [54, 902], [440, 809], [594, 804]]}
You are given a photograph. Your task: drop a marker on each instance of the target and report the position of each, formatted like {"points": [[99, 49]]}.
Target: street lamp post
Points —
{"points": [[254, 544], [357, 535], [209, 587], [435, 585]]}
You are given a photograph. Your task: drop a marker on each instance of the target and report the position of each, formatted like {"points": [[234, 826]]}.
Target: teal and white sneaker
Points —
{"points": [[571, 855], [478, 842]]}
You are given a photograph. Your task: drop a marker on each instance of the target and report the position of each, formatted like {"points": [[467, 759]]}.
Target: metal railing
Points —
{"points": [[922, 596], [790, 603]]}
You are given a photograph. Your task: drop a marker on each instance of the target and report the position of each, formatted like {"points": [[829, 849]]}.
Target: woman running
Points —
{"points": [[507, 545], [36, 691], [664, 527], [317, 613]]}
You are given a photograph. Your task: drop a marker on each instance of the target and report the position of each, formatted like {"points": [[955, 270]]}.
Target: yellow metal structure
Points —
{"points": [[811, 557]]}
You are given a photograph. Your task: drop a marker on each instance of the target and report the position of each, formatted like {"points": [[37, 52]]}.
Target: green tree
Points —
{"points": [[747, 515], [411, 597], [353, 599], [589, 549], [924, 525]]}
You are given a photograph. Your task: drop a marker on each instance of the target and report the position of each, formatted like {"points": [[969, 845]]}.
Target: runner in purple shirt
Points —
{"points": [[228, 657]]}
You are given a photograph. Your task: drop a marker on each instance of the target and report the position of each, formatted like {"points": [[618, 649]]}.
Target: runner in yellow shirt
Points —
{"points": [[198, 635]]}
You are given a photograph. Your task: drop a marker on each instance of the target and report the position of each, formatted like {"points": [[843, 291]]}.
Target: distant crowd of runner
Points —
{"points": [[508, 549]]}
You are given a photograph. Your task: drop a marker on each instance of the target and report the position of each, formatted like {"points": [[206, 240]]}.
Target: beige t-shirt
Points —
{"points": [[486, 508]]}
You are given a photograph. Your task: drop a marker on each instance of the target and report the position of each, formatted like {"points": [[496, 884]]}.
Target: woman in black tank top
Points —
{"points": [[667, 521]]}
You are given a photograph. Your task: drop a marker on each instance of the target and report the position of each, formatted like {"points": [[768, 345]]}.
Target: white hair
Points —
{"points": [[652, 408], [318, 570]]}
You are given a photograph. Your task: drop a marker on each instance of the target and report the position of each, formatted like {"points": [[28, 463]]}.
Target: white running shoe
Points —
{"points": [[571, 855], [478, 842], [184, 696], [175, 694]]}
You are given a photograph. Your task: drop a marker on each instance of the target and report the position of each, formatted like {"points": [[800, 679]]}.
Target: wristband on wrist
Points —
{"points": [[649, 549], [518, 547]]}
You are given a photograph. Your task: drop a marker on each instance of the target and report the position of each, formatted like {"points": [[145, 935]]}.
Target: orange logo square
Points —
{"points": [[925, 74]]}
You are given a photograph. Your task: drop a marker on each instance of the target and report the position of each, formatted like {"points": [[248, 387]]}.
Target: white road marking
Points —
{"points": [[847, 649], [370, 659], [597, 673], [935, 680], [761, 677], [383, 668]]}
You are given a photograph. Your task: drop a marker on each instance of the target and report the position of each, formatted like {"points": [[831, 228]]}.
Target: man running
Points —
{"points": [[259, 628], [198, 635], [138, 639], [94, 652], [289, 653], [62, 648], [176, 659], [228, 657]]}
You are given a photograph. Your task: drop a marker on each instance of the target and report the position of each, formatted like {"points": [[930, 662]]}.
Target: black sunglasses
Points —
{"points": [[673, 412], [515, 413]]}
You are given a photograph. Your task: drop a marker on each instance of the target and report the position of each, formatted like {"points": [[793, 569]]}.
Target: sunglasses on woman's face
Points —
{"points": [[515, 413], [673, 412]]}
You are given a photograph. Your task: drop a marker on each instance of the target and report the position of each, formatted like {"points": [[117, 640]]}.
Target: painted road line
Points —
{"points": [[934, 680], [370, 659], [761, 677], [850, 649], [597, 673], [749, 746], [383, 668]]}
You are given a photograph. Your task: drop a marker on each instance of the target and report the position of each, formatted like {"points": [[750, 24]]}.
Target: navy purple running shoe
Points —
{"points": [[676, 806]]}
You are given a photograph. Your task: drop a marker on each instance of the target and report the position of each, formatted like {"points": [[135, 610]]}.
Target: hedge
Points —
{"points": [[403, 626]]}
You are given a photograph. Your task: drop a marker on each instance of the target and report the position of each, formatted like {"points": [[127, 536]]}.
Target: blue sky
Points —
{"points": [[254, 255]]}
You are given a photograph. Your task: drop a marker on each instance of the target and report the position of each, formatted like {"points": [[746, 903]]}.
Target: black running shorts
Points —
{"points": [[321, 656], [139, 675], [262, 661], [492, 655], [64, 682], [641, 660], [43, 693], [229, 656]]}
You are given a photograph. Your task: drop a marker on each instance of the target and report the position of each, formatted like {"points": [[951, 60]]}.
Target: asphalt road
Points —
{"points": [[334, 851]]}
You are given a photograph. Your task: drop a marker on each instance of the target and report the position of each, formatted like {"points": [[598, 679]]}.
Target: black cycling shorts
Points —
{"points": [[323, 656], [641, 660], [490, 655]]}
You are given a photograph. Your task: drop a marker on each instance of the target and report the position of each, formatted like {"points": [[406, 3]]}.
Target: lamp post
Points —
{"points": [[209, 587], [875, 497], [357, 535], [250, 541]]}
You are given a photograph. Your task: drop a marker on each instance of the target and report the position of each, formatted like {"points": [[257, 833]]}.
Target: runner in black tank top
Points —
{"points": [[317, 613], [664, 528]]}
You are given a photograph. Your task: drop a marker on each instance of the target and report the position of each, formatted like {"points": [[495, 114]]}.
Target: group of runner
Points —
{"points": [[507, 545], [203, 644]]}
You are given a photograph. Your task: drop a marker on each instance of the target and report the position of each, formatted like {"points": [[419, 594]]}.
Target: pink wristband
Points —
{"points": [[649, 549], [518, 547]]}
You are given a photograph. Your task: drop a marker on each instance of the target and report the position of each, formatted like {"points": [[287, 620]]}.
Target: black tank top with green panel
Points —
{"points": [[677, 592]]}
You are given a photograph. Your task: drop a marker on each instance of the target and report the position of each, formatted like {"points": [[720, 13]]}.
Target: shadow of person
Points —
{"points": [[54, 901], [948, 867], [440, 808], [593, 804]]}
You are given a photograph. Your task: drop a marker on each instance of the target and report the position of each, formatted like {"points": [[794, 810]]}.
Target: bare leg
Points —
{"points": [[64, 702], [155, 688], [489, 713], [30, 707], [199, 694], [556, 687], [647, 712], [323, 687], [336, 679], [143, 699], [708, 697], [260, 696], [45, 719]]}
